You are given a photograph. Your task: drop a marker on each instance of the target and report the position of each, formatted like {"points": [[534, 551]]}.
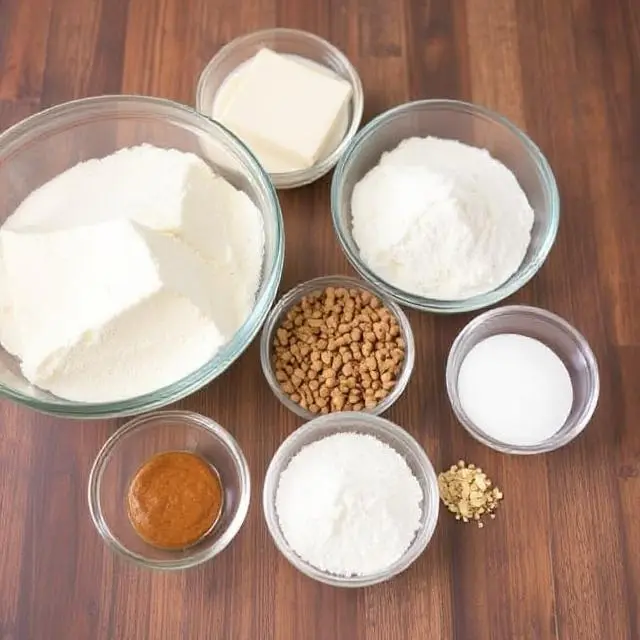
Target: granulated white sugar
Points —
{"points": [[515, 389]]}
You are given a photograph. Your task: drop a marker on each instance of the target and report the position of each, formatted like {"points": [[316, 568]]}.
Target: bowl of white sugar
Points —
{"points": [[522, 380], [135, 264], [444, 206], [292, 97], [351, 499]]}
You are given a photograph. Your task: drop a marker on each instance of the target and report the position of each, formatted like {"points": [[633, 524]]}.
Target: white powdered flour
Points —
{"points": [[349, 504], [441, 219]]}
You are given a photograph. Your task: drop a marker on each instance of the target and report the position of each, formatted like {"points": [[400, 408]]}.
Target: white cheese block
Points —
{"points": [[286, 108], [166, 190], [161, 189], [125, 274], [110, 325]]}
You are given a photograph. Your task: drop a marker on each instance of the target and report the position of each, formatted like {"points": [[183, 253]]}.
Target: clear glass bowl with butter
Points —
{"points": [[472, 125], [45, 145], [219, 82]]}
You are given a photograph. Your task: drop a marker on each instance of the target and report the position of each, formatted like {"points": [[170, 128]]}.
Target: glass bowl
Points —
{"points": [[285, 41], [563, 339], [129, 448], [293, 297], [472, 125], [391, 434], [37, 149]]}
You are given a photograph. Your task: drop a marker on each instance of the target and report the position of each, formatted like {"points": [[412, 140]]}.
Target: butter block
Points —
{"points": [[286, 107]]}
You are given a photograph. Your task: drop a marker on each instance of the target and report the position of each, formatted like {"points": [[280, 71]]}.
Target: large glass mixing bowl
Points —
{"points": [[39, 148]]}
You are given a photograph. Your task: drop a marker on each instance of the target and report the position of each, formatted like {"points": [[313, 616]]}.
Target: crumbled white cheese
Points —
{"points": [[125, 274]]}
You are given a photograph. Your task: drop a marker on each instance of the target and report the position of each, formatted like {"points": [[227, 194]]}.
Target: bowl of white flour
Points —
{"points": [[351, 499], [141, 247], [444, 206]]}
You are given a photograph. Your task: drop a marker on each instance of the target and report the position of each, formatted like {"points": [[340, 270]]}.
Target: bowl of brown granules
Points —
{"points": [[334, 344]]}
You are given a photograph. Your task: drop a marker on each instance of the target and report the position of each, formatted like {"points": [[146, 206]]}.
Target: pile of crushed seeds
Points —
{"points": [[468, 493]]}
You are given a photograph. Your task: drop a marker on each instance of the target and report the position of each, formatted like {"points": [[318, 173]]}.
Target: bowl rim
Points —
{"points": [[561, 325], [291, 297], [300, 177], [324, 426], [197, 420], [474, 303], [90, 109]]}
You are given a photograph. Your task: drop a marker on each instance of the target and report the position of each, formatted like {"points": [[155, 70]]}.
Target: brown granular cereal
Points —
{"points": [[338, 350]]}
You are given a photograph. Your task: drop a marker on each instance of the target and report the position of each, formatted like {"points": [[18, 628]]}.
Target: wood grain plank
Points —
{"points": [[57, 530], [628, 472], [130, 610], [165, 618], [381, 37], [23, 58], [12, 111], [607, 56], [495, 70], [580, 577], [166, 49], [437, 49], [349, 22], [84, 49], [15, 463], [560, 561]]}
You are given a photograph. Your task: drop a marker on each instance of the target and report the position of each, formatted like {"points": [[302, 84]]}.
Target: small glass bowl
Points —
{"points": [[565, 341], [292, 298], [389, 433], [129, 448], [284, 41], [469, 124]]}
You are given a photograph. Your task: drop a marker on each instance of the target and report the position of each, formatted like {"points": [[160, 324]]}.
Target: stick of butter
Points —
{"points": [[286, 108]]}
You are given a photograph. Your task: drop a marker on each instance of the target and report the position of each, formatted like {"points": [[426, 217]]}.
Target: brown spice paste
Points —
{"points": [[174, 499]]}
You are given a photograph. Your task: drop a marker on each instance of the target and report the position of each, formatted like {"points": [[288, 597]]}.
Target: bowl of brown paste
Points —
{"points": [[169, 490]]}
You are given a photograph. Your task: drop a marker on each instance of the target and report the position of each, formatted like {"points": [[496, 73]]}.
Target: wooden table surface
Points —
{"points": [[562, 560]]}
